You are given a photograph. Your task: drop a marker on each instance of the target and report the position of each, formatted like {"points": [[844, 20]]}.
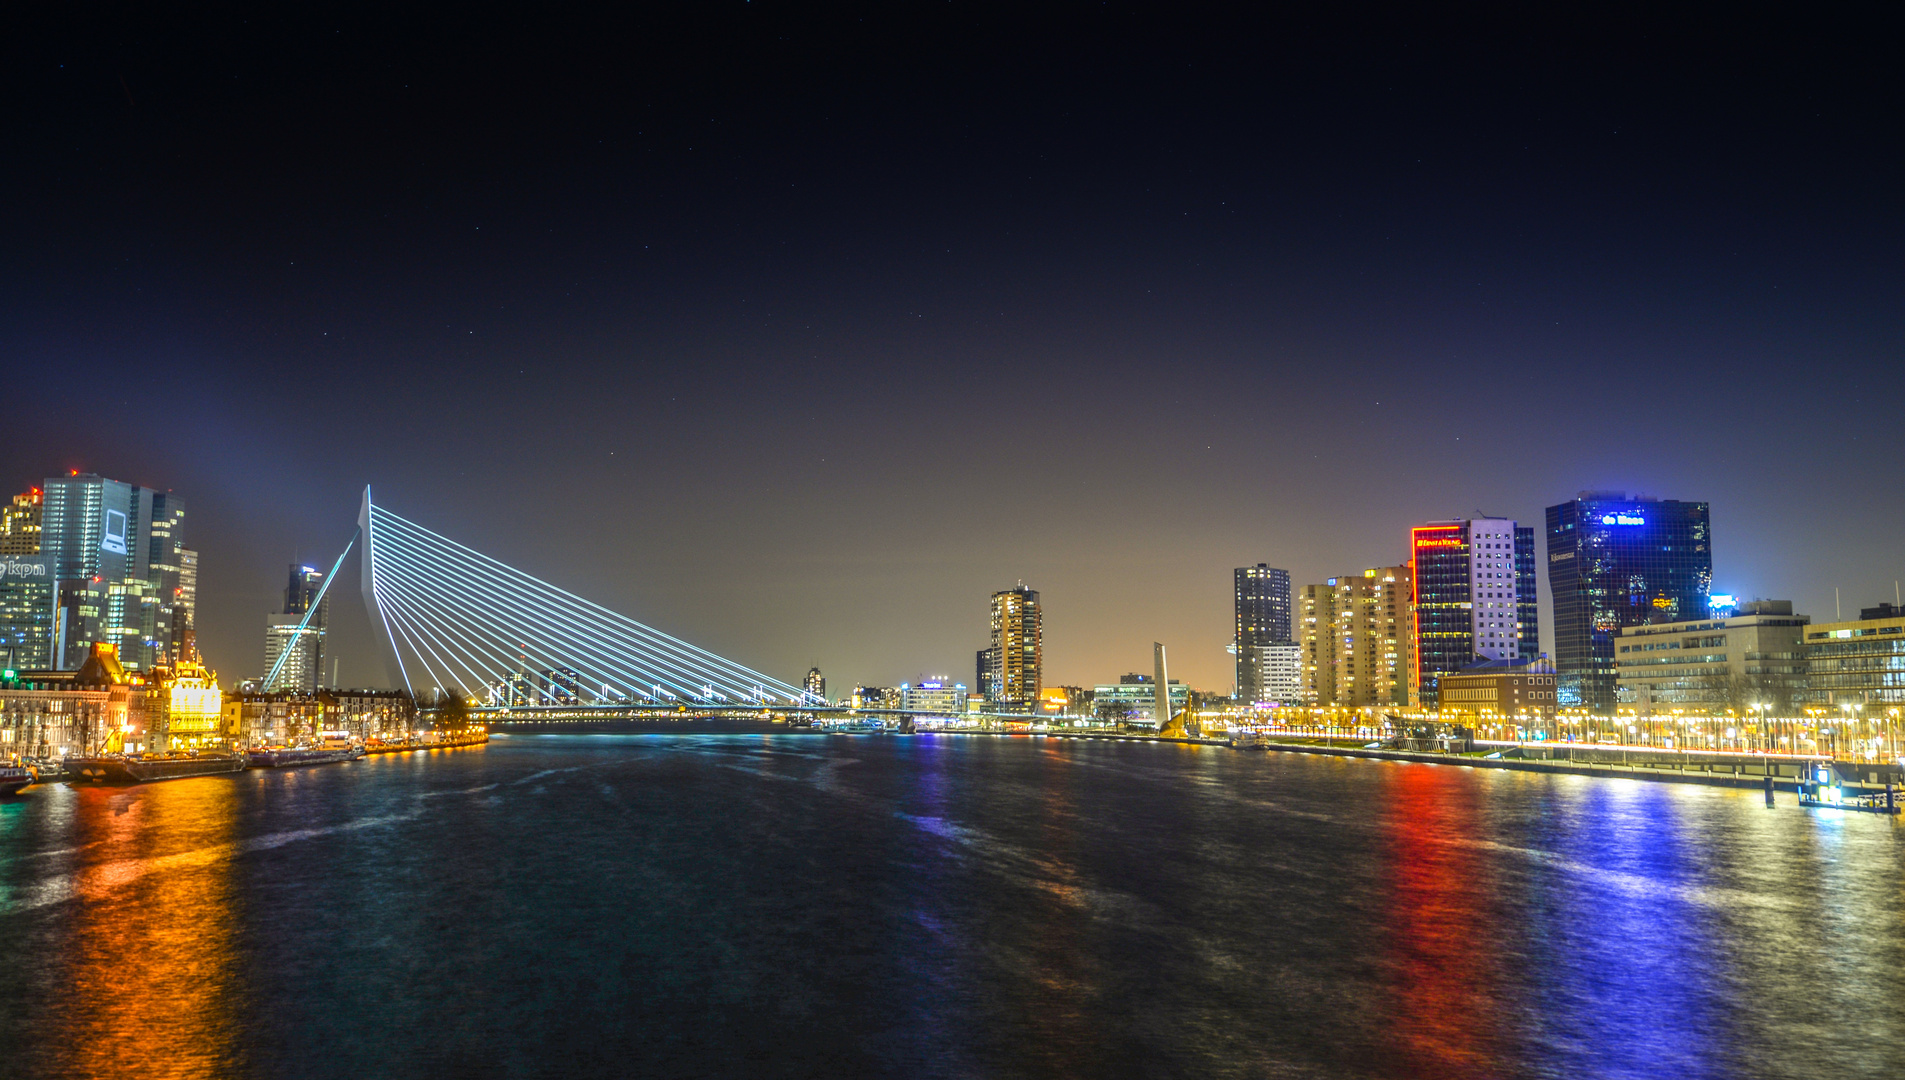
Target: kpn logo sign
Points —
{"points": [[26, 570]]}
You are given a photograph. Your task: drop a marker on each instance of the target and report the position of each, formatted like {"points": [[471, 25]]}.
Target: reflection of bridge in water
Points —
{"points": [[530, 653]]}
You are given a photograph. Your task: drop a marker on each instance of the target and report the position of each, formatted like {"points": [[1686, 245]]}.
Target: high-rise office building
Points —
{"points": [[1017, 652], [26, 612], [1262, 595], [560, 686], [304, 669], [1615, 561], [301, 670], [1474, 597], [113, 547], [27, 588], [185, 610], [815, 684], [301, 591], [20, 525]]}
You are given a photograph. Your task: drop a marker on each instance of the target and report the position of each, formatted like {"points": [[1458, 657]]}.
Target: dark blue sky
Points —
{"points": [[797, 334]]}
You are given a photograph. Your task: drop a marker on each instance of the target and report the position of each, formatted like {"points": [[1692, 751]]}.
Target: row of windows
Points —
{"points": [[1857, 632], [1703, 658]]}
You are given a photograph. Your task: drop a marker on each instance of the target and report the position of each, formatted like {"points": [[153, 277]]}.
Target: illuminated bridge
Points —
{"points": [[455, 618], [528, 652]]}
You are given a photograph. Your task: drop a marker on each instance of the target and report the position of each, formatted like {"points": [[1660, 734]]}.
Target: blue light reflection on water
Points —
{"points": [[1635, 947]]}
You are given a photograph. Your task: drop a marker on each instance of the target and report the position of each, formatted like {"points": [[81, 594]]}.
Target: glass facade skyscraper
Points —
{"points": [[1474, 597], [1616, 560], [114, 550], [1263, 619]]}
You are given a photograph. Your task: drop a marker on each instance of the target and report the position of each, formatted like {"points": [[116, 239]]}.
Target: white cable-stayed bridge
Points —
{"points": [[456, 620]]}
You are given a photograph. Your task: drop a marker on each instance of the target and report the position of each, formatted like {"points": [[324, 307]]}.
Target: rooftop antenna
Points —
{"points": [[1837, 615]]}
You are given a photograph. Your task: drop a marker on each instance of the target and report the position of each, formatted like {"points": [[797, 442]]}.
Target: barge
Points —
{"points": [[142, 768], [280, 757]]}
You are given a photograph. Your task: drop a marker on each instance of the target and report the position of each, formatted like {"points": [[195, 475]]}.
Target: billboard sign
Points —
{"points": [[114, 535], [14, 570]]}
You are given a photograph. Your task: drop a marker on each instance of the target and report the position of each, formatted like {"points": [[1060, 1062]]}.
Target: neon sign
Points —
{"points": [[1439, 542], [1623, 519]]}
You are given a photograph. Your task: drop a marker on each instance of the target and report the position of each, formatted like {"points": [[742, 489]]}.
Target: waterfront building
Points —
{"points": [[1354, 645], [1505, 692], [1315, 640], [284, 718], [20, 524], [1133, 699], [113, 549], [1371, 647], [183, 709], [1616, 561], [1016, 659], [369, 714], [1064, 701], [1262, 618], [875, 697], [1715, 665], [933, 694], [815, 684], [301, 669], [1474, 598], [47, 714], [1279, 675], [1858, 663]]}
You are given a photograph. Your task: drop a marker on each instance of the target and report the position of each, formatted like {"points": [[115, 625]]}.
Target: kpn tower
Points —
{"points": [[1474, 598]]}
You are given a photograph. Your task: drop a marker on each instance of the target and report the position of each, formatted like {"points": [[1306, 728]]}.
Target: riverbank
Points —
{"points": [[1713, 770]]}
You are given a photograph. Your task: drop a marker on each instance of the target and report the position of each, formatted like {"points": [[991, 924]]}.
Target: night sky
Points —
{"points": [[798, 333]]}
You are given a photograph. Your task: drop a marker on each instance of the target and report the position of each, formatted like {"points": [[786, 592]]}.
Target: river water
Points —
{"points": [[811, 905]]}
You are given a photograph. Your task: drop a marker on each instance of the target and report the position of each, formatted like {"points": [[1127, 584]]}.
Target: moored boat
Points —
{"points": [[140, 768], [15, 777], [279, 757], [112, 766]]}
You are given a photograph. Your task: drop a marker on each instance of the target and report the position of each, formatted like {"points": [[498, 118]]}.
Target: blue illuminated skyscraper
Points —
{"points": [[1617, 560]]}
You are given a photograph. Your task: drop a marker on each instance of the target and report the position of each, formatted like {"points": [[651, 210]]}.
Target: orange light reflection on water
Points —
{"points": [[152, 979]]}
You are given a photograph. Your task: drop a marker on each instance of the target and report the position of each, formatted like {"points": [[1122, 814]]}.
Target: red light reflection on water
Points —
{"points": [[151, 983], [1444, 987]]}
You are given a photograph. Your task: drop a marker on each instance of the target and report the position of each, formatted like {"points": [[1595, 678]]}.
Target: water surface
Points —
{"points": [[805, 905]]}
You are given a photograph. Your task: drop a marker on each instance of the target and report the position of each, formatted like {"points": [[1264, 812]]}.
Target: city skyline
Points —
{"points": [[803, 367], [1522, 564]]}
